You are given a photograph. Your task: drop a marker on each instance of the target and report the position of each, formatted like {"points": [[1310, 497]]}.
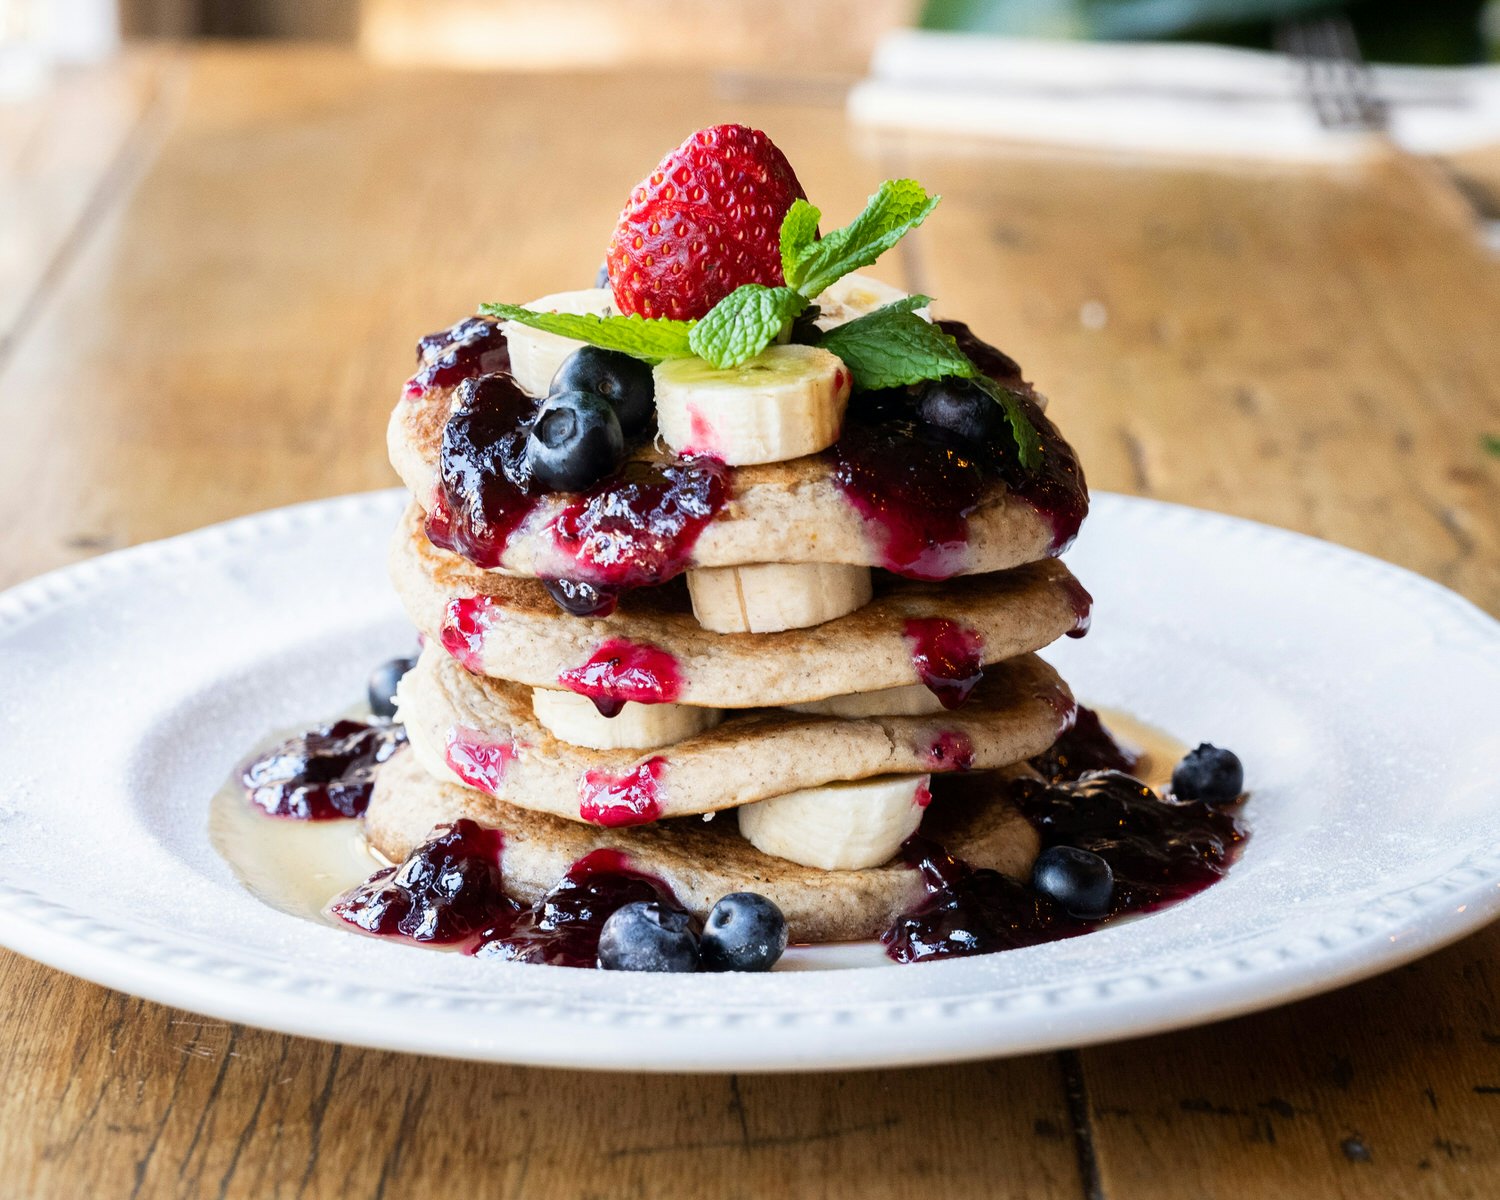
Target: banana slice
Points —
{"points": [[841, 826], [785, 402], [769, 597], [854, 296], [913, 700], [574, 719], [534, 354]]}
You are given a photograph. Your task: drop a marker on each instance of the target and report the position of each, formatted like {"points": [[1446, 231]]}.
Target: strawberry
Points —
{"points": [[705, 221]]}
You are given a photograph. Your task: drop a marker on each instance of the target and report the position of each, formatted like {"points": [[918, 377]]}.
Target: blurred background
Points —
{"points": [[1253, 78]]}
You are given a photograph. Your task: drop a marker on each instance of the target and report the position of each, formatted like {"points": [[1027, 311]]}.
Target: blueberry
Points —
{"points": [[575, 442], [1209, 774], [648, 936], [601, 276], [624, 381], [744, 932], [960, 408], [383, 681], [1079, 881]]}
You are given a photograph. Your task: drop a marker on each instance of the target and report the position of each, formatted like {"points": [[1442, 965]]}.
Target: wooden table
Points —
{"points": [[208, 296]]}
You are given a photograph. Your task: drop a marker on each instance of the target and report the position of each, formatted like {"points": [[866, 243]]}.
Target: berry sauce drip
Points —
{"points": [[324, 774], [950, 750], [1160, 851], [969, 911], [1083, 608], [632, 798], [446, 891], [464, 625], [475, 346], [918, 486], [638, 529], [1056, 488], [1087, 746], [562, 928], [484, 480], [948, 657], [478, 761], [622, 670]]}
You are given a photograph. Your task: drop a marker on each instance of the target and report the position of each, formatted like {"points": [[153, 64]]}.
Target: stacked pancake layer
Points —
{"points": [[764, 667]]}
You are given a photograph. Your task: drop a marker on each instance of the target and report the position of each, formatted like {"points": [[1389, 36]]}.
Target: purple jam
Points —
{"points": [[484, 480], [636, 528], [1161, 851], [969, 911], [475, 346], [563, 927], [446, 891], [917, 487], [622, 671], [639, 528], [324, 774], [631, 797], [948, 657], [1087, 746], [950, 750]]}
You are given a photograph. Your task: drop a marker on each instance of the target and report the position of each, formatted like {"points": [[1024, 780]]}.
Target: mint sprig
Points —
{"points": [[744, 323], [812, 264], [890, 347], [893, 347], [652, 340]]}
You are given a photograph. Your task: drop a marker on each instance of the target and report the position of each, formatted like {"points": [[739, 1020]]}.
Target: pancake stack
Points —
{"points": [[742, 659]]}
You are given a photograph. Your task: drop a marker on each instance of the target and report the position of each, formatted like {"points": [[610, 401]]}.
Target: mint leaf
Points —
{"points": [[653, 341], [892, 347], [897, 208], [1028, 440], [1491, 444], [799, 229], [744, 323]]}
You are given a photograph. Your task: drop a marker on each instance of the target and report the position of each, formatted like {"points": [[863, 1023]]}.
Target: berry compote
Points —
{"points": [[948, 657], [1160, 851], [446, 891], [1087, 746], [918, 485], [323, 774], [635, 528], [562, 928], [630, 798], [475, 346], [620, 671], [484, 480]]}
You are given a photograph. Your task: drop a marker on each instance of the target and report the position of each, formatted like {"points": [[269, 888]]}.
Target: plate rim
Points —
{"points": [[585, 1034]]}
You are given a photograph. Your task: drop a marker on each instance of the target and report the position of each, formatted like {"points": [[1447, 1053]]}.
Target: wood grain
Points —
{"points": [[228, 321]]}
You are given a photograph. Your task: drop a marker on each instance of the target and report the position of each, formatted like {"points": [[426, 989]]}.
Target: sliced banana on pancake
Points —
{"points": [[913, 700], [840, 826], [576, 720], [786, 402], [771, 597], [535, 355], [854, 296]]}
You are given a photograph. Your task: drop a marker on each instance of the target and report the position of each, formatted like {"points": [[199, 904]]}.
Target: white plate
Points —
{"points": [[1362, 699]]}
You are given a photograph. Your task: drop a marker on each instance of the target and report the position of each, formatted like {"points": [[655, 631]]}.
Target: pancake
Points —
{"points": [[795, 511], [700, 861], [517, 632], [466, 729]]}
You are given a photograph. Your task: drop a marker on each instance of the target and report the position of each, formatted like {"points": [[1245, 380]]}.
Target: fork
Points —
{"points": [[1335, 77]]}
